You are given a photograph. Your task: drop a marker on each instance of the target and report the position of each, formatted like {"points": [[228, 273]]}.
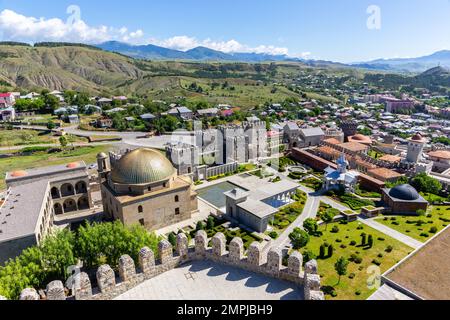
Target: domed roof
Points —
{"points": [[142, 166], [102, 155], [404, 192], [418, 138]]}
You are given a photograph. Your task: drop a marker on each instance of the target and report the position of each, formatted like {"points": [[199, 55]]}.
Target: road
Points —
{"points": [[134, 139], [413, 243]]}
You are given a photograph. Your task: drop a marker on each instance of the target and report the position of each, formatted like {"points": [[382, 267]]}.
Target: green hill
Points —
{"points": [[95, 71]]}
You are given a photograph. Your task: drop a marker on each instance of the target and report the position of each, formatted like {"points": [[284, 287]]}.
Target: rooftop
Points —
{"points": [[257, 208], [20, 212], [425, 272], [441, 154], [384, 173], [354, 146]]}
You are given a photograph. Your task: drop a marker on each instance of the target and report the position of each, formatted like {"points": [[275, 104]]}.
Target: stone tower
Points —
{"points": [[103, 166], [415, 148], [350, 128]]}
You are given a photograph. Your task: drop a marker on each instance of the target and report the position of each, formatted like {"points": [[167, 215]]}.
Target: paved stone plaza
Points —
{"points": [[205, 280]]}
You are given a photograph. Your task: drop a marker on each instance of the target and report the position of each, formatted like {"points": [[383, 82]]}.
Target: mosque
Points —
{"points": [[142, 187]]}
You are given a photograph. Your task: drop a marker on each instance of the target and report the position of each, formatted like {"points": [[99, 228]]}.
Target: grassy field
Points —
{"points": [[87, 154], [419, 228], [10, 138], [356, 288]]}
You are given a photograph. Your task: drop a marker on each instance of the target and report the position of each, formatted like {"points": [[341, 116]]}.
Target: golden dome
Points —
{"points": [[142, 166]]}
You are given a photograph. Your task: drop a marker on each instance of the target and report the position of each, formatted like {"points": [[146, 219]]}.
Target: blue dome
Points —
{"points": [[404, 192]]}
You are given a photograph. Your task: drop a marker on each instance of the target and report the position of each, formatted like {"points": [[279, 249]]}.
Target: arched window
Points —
{"points": [[177, 211], [177, 198], [140, 209]]}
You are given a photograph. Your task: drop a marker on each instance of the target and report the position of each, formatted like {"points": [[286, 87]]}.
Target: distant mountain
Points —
{"points": [[419, 64], [153, 52]]}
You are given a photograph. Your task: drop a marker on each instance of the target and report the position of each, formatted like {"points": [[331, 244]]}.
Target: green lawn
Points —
{"points": [[419, 228], [289, 214], [41, 159], [10, 138], [341, 241]]}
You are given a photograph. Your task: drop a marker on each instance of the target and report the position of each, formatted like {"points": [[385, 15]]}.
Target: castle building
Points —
{"points": [[32, 200], [142, 187]]}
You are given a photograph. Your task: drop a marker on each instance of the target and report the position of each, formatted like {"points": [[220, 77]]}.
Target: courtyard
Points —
{"points": [[206, 280]]}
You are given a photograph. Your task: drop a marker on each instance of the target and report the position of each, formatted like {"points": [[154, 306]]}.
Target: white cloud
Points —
{"points": [[184, 43], [17, 27]]}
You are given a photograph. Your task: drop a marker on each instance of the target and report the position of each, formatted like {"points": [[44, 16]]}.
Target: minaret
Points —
{"points": [[415, 148], [103, 166]]}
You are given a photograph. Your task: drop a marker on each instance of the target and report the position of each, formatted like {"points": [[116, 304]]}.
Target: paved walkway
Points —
{"points": [[205, 280], [413, 243]]}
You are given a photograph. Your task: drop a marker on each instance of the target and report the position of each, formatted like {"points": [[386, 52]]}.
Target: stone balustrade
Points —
{"points": [[257, 260]]}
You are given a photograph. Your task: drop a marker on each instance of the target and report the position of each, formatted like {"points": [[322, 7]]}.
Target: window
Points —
{"points": [[149, 189], [140, 209], [177, 211], [177, 198], [142, 222]]}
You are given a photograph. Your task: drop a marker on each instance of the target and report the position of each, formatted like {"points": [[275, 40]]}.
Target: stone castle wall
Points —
{"points": [[149, 266]]}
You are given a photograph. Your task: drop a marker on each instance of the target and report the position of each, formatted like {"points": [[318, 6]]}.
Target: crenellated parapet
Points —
{"points": [[111, 284]]}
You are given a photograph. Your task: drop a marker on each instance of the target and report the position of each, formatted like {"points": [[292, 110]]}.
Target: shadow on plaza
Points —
{"points": [[274, 286]]}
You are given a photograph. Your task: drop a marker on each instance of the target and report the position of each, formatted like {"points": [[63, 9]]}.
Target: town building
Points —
{"points": [[34, 197], [7, 100], [440, 159], [142, 187]]}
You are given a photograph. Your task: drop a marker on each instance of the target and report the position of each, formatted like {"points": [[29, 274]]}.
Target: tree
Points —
{"points": [[311, 226], [210, 224], [322, 251], [421, 212], [327, 217], [424, 183], [63, 141], [330, 251], [341, 267], [51, 125], [299, 238], [370, 241], [172, 239], [200, 226], [363, 239]]}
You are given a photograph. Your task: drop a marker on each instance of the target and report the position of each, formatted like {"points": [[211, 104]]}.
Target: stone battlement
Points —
{"points": [[109, 285]]}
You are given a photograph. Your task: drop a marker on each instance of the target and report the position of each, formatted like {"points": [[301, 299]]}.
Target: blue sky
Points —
{"points": [[321, 29]]}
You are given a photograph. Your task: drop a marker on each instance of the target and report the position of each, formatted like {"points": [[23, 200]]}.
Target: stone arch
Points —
{"points": [[69, 205], [67, 190], [58, 208], [81, 187], [83, 203], [55, 193]]}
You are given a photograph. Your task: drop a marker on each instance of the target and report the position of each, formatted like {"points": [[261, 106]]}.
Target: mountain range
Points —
{"points": [[153, 52], [419, 64]]}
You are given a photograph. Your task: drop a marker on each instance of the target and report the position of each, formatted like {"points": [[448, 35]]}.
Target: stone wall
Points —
{"points": [[257, 260]]}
